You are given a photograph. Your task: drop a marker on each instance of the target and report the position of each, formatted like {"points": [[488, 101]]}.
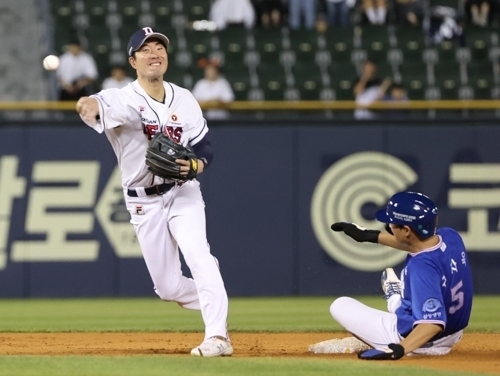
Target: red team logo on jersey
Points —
{"points": [[175, 133]]}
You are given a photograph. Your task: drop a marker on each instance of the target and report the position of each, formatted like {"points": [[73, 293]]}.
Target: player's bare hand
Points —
{"points": [[88, 108], [186, 165]]}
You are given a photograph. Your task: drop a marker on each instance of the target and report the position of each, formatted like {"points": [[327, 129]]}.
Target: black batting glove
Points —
{"points": [[358, 233], [395, 352]]}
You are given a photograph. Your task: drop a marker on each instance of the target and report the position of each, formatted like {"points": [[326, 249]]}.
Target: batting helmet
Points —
{"points": [[411, 209]]}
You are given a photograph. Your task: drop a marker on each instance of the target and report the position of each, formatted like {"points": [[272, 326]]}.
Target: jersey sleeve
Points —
{"points": [[113, 111], [196, 123], [428, 305]]}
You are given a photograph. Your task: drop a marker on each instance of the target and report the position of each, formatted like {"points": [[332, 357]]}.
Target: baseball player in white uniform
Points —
{"points": [[166, 215]]}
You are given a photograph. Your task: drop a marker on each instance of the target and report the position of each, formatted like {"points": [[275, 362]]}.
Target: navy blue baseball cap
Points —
{"points": [[412, 209], [139, 37]]}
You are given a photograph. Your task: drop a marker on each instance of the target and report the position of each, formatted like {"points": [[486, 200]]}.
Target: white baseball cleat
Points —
{"points": [[390, 283], [213, 346]]}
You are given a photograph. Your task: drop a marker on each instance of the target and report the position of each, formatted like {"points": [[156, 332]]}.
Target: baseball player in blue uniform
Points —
{"points": [[166, 215], [431, 304]]}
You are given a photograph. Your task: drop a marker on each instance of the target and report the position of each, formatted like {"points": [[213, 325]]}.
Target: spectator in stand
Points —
{"points": [[302, 13], [396, 94], [269, 13], [367, 89], [76, 73], [213, 90], [444, 24], [118, 78], [232, 12], [376, 11], [409, 12], [480, 12], [337, 13]]}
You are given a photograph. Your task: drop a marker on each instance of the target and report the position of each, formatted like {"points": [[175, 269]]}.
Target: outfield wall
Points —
{"points": [[271, 194]]}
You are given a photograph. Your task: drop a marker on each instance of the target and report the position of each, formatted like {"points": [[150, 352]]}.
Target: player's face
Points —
{"points": [[151, 59], [401, 233]]}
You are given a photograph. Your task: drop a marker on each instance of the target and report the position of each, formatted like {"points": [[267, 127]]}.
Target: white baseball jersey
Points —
{"points": [[130, 118], [175, 219]]}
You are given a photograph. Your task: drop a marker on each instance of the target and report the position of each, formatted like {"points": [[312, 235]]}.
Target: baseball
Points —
{"points": [[51, 62]]}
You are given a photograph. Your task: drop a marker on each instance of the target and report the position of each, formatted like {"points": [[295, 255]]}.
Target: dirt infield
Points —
{"points": [[476, 352]]}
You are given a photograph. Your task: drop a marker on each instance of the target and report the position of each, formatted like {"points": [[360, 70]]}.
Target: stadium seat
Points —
{"points": [[308, 81], [479, 42], [375, 41], [411, 41], [198, 43], [129, 10], [342, 76], [196, 9], [340, 42], [447, 78], [233, 44], [414, 79], [163, 11], [447, 52], [480, 78], [304, 43], [239, 78], [269, 44], [272, 81]]}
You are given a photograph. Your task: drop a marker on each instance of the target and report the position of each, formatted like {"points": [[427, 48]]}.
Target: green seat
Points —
{"points": [[340, 42], [447, 52], [479, 42], [447, 78], [342, 77], [375, 41], [198, 43], [239, 78], [304, 43], [130, 16], [196, 10], [308, 81], [268, 43], [162, 11], [272, 81], [411, 41], [480, 78], [233, 43], [414, 79], [176, 74]]}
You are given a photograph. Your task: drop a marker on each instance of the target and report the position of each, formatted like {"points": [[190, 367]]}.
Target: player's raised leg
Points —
{"points": [[161, 255], [374, 327]]}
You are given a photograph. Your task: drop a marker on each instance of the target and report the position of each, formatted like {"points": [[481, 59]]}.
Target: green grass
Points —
{"points": [[305, 314], [175, 365]]}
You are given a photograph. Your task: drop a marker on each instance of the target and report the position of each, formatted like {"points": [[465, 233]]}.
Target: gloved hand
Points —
{"points": [[395, 352], [358, 233]]}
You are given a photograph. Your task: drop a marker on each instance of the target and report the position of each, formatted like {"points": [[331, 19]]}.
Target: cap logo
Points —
{"points": [[147, 30]]}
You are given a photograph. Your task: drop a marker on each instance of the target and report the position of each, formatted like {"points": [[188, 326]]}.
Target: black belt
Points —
{"points": [[154, 190]]}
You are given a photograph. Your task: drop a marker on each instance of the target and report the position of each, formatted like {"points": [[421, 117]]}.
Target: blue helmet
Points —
{"points": [[411, 209]]}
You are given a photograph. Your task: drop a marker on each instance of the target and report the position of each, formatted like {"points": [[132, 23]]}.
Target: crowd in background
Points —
{"points": [[78, 71]]}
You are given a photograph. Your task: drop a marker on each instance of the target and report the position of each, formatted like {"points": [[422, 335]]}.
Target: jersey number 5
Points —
{"points": [[458, 297]]}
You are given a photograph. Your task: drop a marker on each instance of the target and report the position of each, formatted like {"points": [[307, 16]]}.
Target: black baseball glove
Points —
{"points": [[358, 233], [161, 155]]}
